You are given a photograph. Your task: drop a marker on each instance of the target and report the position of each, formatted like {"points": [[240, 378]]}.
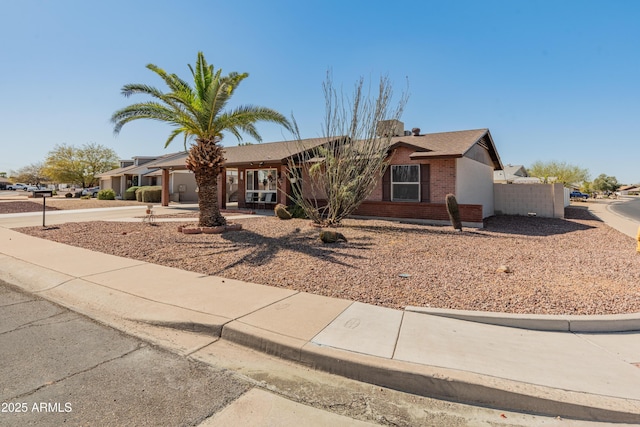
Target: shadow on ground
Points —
{"points": [[304, 243], [536, 226]]}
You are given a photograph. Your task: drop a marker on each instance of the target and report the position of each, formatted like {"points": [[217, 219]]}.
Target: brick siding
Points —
{"points": [[426, 211]]}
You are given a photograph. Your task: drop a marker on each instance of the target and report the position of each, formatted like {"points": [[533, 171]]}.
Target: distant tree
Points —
{"points": [[200, 114], [3, 174], [346, 168], [79, 166], [605, 183], [32, 174], [587, 187], [562, 172]]}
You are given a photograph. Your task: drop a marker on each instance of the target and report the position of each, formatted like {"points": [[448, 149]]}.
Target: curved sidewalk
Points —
{"points": [[590, 376]]}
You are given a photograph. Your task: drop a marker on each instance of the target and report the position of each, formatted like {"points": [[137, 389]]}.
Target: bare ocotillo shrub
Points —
{"points": [[343, 171]]}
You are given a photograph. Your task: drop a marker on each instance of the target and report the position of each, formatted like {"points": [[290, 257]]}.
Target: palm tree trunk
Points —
{"points": [[210, 215], [205, 160]]}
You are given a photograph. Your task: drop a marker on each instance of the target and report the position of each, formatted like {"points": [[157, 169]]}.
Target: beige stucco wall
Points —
{"points": [[187, 179], [544, 200], [474, 184]]}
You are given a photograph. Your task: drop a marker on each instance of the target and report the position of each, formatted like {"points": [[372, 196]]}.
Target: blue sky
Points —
{"points": [[552, 80]]}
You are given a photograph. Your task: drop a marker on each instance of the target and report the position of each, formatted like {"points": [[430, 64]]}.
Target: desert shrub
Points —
{"points": [[87, 197], [106, 194], [281, 211], [130, 193], [149, 194], [296, 211]]}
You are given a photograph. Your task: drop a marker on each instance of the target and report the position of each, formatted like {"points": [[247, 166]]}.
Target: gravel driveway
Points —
{"points": [[573, 266]]}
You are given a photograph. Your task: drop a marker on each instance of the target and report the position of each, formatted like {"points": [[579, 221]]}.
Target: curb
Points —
{"points": [[542, 322], [436, 382]]}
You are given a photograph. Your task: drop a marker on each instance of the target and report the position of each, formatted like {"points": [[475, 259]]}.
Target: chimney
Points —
{"points": [[390, 128], [415, 131]]}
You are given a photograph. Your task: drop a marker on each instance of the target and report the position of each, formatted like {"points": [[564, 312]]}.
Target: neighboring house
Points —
{"points": [[142, 170], [629, 189], [509, 174], [425, 166]]}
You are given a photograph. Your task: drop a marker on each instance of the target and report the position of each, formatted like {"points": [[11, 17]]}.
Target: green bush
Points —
{"points": [[106, 194], [296, 211], [149, 194], [130, 193]]}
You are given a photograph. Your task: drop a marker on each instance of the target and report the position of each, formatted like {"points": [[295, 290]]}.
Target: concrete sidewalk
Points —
{"points": [[591, 376], [601, 209]]}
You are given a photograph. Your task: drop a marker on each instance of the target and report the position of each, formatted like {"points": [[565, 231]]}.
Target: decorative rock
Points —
{"points": [[331, 236], [233, 227], [504, 269]]}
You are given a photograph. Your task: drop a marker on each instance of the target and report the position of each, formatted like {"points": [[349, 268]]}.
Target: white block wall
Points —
{"points": [[544, 200]]}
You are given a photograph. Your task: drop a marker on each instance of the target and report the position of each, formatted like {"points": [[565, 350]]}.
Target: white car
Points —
{"points": [[92, 191], [17, 186]]}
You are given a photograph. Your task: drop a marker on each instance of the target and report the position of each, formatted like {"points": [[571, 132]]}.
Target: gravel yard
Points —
{"points": [[572, 266], [24, 204]]}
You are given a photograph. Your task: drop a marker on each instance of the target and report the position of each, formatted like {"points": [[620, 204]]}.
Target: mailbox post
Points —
{"points": [[42, 194]]}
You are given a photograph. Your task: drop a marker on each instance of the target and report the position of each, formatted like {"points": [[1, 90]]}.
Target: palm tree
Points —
{"points": [[199, 113]]}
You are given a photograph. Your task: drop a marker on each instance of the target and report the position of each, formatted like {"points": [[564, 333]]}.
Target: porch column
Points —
{"points": [[222, 189], [284, 185], [165, 187]]}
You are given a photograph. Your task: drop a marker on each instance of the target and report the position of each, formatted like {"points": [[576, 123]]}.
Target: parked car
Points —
{"points": [[578, 195], [17, 186], [92, 191], [32, 188]]}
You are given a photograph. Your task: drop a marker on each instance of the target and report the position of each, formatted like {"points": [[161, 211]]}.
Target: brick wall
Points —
{"points": [[442, 175], [443, 179], [423, 211]]}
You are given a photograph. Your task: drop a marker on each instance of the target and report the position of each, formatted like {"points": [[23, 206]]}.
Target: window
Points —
{"points": [[262, 185], [405, 183]]}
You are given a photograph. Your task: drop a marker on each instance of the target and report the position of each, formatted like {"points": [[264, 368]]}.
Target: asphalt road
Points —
{"points": [[60, 368], [629, 208]]}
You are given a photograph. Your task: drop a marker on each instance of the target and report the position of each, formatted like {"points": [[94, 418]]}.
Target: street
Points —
{"points": [[59, 367], [629, 208]]}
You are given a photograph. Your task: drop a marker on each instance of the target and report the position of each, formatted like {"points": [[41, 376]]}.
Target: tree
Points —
{"points": [[69, 164], [34, 173], [345, 169], [558, 172], [199, 114], [605, 183]]}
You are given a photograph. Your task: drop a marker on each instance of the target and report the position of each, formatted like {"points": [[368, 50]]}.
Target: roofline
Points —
{"points": [[493, 152]]}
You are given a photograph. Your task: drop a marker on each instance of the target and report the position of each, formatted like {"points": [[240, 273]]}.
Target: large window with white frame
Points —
{"points": [[261, 185], [405, 183]]}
